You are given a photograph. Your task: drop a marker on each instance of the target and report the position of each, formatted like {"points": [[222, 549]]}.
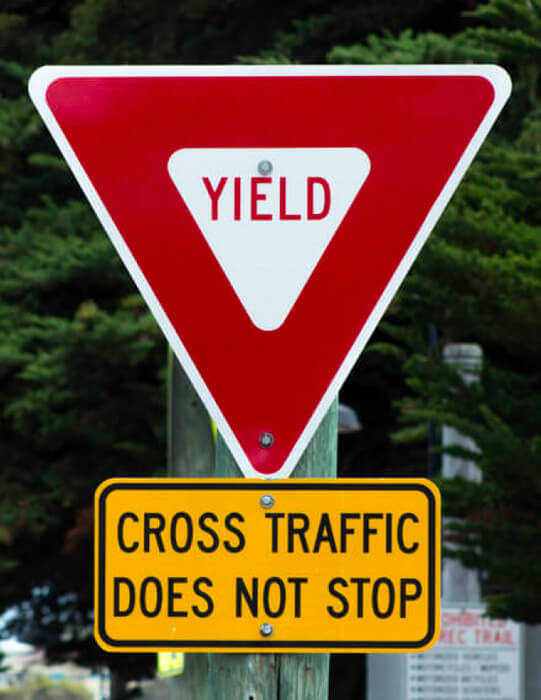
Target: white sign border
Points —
{"points": [[42, 78]]}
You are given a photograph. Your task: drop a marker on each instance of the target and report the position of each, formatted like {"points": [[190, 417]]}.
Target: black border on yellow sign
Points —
{"points": [[268, 487]]}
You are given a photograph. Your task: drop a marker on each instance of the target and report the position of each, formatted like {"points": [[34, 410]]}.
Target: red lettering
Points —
{"points": [[214, 195], [499, 636], [236, 213], [310, 183], [284, 216], [446, 637], [452, 636], [259, 197]]}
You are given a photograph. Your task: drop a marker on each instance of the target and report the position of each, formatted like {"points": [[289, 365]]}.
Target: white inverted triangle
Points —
{"points": [[268, 261]]}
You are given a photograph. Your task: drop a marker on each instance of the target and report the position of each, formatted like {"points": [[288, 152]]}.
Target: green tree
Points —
{"points": [[82, 362]]}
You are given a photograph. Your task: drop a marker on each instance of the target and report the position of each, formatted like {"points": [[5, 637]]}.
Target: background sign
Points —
{"points": [[242, 565], [170, 663], [475, 657]]}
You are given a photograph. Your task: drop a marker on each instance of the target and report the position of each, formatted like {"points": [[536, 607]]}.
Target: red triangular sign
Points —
{"points": [[269, 214]]}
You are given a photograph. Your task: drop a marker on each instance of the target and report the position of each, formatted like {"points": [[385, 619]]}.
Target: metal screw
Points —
{"points": [[266, 629], [266, 440], [264, 167], [267, 501]]}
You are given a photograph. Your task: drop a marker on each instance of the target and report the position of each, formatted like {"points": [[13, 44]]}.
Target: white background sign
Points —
{"points": [[475, 658]]}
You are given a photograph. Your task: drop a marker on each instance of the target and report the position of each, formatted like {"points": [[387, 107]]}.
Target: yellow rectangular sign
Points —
{"points": [[267, 566]]}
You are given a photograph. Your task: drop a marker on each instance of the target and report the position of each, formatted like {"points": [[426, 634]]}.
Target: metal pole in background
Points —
{"points": [[459, 584], [433, 460], [190, 453], [274, 676]]}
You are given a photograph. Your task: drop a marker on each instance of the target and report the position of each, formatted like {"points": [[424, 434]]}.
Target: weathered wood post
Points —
{"points": [[273, 676], [190, 453]]}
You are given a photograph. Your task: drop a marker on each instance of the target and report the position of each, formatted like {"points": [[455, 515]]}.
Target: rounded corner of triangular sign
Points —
{"points": [[268, 227]]}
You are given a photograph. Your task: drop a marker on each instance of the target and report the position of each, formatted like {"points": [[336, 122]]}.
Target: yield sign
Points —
{"points": [[269, 214]]}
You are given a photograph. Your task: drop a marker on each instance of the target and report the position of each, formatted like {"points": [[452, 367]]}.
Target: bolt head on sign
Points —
{"points": [[269, 214]]}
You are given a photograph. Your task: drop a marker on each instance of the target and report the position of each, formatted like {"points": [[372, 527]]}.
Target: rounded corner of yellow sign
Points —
{"points": [[105, 646], [104, 487], [432, 487], [432, 639]]}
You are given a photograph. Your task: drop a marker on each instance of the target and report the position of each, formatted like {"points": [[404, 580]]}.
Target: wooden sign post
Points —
{"points": [[273, 676], [191, 454]]}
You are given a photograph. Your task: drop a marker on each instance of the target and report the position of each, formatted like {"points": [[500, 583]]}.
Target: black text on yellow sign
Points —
{"points": [[249, 565]]}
